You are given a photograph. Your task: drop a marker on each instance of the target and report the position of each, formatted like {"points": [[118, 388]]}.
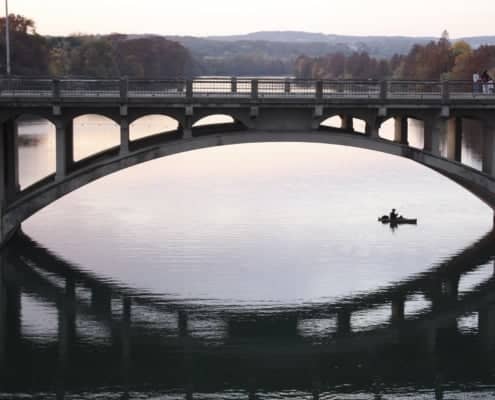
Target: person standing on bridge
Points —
{"points": [[485, 78]]}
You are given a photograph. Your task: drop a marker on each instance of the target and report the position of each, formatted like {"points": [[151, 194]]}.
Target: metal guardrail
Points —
{"points": [[124, 89]]}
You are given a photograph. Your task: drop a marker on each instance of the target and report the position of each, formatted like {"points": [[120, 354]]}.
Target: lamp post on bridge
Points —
{"points": [[7, 38]]}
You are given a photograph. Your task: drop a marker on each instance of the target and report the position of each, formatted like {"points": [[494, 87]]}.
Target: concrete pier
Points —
{"points": [[401, 130]]}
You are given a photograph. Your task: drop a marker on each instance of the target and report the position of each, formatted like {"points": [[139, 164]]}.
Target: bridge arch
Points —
{"points": [[152, 125], [35, 137], [83, 145], [225, 116], [31, 201]]}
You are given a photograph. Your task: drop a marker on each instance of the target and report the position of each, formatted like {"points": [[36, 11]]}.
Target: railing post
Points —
{"points": [[233, 84], [124, 89], [319, 90], [189, 89], [383, 90], [287, 86], [254, 89], [445, 91], [56, 90]]}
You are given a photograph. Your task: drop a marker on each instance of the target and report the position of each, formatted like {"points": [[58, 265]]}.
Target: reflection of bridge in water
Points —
{"points": [[255, 350]]}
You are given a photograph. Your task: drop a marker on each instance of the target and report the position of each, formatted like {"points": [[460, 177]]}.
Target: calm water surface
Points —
{"points": [[249, 271]]}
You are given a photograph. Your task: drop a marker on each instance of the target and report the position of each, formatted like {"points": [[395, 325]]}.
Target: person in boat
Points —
{"points": [[393, 215]]}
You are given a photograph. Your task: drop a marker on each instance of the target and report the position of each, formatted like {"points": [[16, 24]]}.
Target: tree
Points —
{"points": [[26, 46]]}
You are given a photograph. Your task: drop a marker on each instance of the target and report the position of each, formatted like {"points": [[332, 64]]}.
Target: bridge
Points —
{"points": [[263, 110], [251, 352]]}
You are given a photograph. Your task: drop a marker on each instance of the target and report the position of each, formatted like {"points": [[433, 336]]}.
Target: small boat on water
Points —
{"points": [[398, 221]]}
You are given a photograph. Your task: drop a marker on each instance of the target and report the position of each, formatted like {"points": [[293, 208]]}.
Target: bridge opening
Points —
{"points": [[94, 134], [416, 133], [152, 125], [332, 122], [359, 125], [408, 131], [216, 124], [36, 150], [346, 123]]}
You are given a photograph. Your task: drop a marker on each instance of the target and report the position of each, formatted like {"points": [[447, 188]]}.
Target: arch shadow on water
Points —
{"points": [[260, 351]]}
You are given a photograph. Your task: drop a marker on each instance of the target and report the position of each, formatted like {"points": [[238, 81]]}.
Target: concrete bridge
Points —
{"points": [[263, 110]]}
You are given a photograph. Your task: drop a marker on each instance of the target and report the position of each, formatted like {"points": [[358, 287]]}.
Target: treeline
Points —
{"points": [[92, 56], [435, 60]]}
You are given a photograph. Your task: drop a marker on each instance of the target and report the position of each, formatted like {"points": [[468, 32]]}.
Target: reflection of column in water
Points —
{"points": [[101, 300], [66, 335], [3, 323], [397, 310], [343, 322], [126, 345], [486, 328]]}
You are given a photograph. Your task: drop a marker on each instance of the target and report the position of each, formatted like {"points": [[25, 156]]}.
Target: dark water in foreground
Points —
{"points": [[243, 272]]}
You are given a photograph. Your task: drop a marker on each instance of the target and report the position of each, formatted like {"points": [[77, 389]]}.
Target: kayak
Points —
{"points": [[398, 221]]}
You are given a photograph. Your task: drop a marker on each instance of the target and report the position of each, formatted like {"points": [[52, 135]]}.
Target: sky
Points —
{"points": [[221, 17]]}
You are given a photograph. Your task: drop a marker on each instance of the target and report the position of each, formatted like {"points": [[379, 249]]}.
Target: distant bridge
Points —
{"points": [[263, 110]]}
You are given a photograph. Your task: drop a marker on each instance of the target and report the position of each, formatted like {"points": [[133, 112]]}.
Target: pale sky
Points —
{"points": [[219, 17]]}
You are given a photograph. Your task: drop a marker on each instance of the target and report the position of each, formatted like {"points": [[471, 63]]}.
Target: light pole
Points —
{"points": [[7, 38]]}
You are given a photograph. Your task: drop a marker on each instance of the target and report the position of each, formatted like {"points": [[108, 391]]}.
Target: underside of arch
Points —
{"points": [[49, 190]]}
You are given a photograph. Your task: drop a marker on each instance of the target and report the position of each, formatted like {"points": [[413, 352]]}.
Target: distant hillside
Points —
{"points": [[274, 52]]}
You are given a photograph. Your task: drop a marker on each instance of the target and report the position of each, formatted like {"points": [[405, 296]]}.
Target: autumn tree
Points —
{"points": [[29, 51]]}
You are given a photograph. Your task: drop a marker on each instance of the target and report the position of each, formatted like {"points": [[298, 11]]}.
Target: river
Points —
{"points": [[241, 271]]}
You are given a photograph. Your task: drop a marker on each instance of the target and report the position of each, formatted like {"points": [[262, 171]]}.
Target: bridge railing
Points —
{"points": [[354, 89], [414, 89], [470, 90], [20, 87], [87, 88], [155, 88], [248, 88]]}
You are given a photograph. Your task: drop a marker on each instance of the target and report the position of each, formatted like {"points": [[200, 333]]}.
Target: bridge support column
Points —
{"points": [[489, 147], [401, 130], [434, 128], [64, 148], [9, 171], [347, 122], [10, 161], [454, 139], [373, 127], [124, 136]]}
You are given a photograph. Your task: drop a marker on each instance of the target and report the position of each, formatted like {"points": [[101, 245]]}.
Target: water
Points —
{"points": [[248, 270]]}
